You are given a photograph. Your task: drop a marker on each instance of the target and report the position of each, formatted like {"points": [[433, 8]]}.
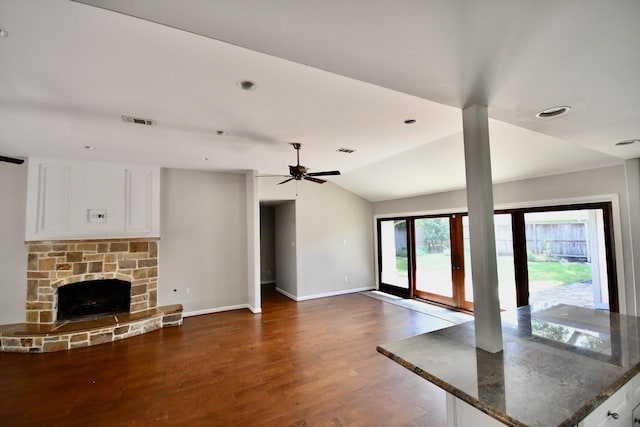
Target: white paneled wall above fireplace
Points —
{"points": [[78, 200]]}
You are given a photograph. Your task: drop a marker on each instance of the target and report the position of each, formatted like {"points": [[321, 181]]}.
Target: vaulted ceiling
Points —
{"points": [[328, 74]]}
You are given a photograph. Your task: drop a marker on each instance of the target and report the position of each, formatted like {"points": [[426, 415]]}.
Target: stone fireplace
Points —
{"points": [[53, 265], [113, 285]]}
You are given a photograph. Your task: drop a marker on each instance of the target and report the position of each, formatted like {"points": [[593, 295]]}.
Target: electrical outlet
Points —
{"points": [[346, 278], [187, 291]]}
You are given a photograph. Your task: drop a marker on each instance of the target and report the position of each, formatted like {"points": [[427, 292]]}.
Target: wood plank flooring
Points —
{"points": [[311, 363]]}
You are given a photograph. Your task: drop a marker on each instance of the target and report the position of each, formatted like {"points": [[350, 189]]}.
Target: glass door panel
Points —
{"points": [[566, 258], [433, 257], [394, 255], [504, 258]]}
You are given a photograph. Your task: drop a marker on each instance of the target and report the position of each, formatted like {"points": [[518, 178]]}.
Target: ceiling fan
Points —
{"points": [[299, 172], [11, 160]]}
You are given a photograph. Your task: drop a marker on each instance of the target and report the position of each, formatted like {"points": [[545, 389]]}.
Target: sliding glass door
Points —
{"points": [[567, 258], [393, 256]]}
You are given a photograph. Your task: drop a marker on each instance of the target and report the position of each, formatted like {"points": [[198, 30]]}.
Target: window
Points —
{"points": [[545, 256]]}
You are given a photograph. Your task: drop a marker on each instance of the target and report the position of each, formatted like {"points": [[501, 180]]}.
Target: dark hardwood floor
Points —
{"points": [[312, 363]]}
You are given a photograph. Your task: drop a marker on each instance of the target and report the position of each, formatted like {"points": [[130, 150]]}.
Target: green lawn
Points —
{"points": [[561, 273]]}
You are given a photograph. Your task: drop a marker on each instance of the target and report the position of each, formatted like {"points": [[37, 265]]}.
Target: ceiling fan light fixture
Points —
{"points": [[553, 112], [627, 142], [246, 85]]}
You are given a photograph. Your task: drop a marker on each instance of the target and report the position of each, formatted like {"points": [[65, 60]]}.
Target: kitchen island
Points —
{"points": [[560, 366]]}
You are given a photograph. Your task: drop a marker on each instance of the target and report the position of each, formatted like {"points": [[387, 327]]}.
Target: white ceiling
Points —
{"points": [[70, 70]]}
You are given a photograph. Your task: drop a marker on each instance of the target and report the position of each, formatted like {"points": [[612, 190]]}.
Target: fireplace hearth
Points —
{"points": [[82, 293], [92, 299]]}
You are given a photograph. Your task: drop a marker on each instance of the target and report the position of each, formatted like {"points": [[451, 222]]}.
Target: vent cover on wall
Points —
{"points": [[138, 120]]}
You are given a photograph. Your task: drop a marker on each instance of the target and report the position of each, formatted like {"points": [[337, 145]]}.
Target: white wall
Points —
{"points": [[267, 244], [632, 173], [334, 234], [203, 243], [286, 258], [587, 185], [13, 252]]}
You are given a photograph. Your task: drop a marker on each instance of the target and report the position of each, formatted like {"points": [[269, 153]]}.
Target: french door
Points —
{"points": [[546, 255], [423, 257], [439, 258]]}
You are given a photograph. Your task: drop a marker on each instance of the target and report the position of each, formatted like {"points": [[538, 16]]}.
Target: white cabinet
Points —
{"points": [[621, 409], [76, 200], [461, 414], [618, 409], [615, 411]]}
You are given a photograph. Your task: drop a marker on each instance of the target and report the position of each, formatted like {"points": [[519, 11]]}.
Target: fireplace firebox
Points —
{"points": [[93, 298]]}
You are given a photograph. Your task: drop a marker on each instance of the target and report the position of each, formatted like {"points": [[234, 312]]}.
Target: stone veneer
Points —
{"points": [[52, 265], [59, 263], [34, 338]]}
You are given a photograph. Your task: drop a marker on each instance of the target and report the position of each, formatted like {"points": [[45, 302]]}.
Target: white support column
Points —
{"points": [[632, 175], [253, 242], [475, 121]]}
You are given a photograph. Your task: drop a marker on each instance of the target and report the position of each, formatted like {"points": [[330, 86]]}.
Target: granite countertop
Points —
{"points": [[558, 363]]}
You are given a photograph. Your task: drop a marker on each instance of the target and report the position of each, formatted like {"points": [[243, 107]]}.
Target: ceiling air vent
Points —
{"points": [[139, 121], [345, 150]]}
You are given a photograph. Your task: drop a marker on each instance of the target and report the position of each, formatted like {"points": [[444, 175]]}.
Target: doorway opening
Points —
{"points": [[278, 258]]}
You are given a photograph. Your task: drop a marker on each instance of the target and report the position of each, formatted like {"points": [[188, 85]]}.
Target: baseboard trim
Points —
{"points": [[218, 310], [268, 282], [254, 310], [287, 294], [324, 295]]}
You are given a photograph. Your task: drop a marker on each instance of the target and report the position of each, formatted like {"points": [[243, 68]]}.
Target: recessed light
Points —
{"points": [[409, 121], [246, 85], [220, 132], [205, 159], [627, 142], [3, 33], [553, 112], [89, 147]]}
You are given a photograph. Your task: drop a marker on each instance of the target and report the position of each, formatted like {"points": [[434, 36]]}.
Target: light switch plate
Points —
{"points": [[96, 215]]}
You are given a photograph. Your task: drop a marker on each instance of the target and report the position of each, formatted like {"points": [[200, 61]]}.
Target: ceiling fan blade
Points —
{"points": [[286, 180], [11, 160], [312, 179], [326, 173]]}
